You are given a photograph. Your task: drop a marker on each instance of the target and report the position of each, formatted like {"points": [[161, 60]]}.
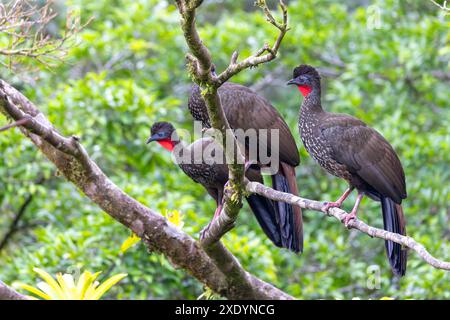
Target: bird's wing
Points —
{"points": [[245, 109], [366, 153]]}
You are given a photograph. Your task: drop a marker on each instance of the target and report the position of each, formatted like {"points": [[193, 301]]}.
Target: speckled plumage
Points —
{"points": [[204, 162], [309, 124], [212, 176], [245, 109], [347, 148]]}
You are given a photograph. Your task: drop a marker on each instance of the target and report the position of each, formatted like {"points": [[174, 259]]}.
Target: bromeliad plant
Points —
{"points": [[66, 287]]}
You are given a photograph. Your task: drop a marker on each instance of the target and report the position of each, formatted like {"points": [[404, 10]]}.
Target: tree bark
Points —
{"points": [[72, 160], [8, 293]]}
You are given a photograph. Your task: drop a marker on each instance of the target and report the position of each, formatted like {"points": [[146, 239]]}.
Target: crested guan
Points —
{"points": [[194, 160], [347, 148], [245, 109]]}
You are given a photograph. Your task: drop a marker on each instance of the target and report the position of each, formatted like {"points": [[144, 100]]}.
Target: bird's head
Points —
{"points": [[306, 78], [165, 134]]}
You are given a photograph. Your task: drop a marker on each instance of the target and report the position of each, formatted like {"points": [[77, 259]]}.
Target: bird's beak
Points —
{"points": [[295, 81], [154, 137]]}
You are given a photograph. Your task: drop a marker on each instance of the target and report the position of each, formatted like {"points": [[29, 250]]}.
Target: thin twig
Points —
{"points": [[259, 57], [13, 227], [443, 6], [255, 187], [20, 122], [26, 25]]}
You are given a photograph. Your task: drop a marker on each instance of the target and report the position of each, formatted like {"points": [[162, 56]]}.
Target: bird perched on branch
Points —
{"points": [[246, 110], [197, 161], [347, 148]]}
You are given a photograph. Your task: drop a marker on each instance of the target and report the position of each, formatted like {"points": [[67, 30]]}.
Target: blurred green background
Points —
{"points": [[386, 62]]}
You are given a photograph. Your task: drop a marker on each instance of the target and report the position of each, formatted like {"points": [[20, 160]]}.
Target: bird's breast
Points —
{"points": [[201, 173], [319, 149]]}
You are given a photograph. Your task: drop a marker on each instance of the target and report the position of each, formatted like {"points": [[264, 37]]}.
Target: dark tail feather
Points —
{"points": [[394, 221], [289, 173], [264, 212], [289, 217]]}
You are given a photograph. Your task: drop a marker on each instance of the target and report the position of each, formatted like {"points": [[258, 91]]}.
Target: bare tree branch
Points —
{"points": [[25, 24], [8, 293], [259, 57], [21, 122], [200, 65], [442, 6], [211, 263], [13, 227], [255, 187], [157, 233]]}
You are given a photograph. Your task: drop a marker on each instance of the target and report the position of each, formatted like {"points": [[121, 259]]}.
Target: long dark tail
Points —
{"points": [[394, 221], [289, 217], [264, 211]]}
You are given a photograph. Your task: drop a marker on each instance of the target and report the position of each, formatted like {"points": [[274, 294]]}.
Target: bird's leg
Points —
{"points": [[246, 167], [217, 212], [352, 215], [338, 203], [216, 215]]}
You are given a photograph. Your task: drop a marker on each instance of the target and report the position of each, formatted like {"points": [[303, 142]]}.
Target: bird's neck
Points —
{"points": [[167, 144], [181, 152], [311, 103]]}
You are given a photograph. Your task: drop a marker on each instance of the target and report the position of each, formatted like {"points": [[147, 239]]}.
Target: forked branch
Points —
{"points": [[25, 25], [266, 53], [200, 65], [73, 162]]}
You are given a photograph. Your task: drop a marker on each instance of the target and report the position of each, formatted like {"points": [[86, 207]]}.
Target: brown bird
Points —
{"points": [[245, 109], [193, 160], [347, 148]]}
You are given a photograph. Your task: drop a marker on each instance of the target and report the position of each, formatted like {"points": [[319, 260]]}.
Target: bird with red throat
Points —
{"points": [[349, 149], [213, 176], [247, 110]]}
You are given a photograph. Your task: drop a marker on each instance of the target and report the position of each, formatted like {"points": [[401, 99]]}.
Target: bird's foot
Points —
{"points": [[205, 230], [348, 217], [216, 215], [329, 205]]}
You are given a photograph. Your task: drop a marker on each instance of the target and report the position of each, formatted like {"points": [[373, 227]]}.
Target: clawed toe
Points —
{"points": [[347, 218], [204, 231], [327, 205]]}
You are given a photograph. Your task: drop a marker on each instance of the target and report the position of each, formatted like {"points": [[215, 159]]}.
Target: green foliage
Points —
{"points": [[129, 71]]}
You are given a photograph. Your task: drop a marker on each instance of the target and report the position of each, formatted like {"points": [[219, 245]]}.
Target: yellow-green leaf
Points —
{"points": [[129, 242], [67, 288], [139, 45], [105, 286], [35, 291], [49, 279], [175, 217]]}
